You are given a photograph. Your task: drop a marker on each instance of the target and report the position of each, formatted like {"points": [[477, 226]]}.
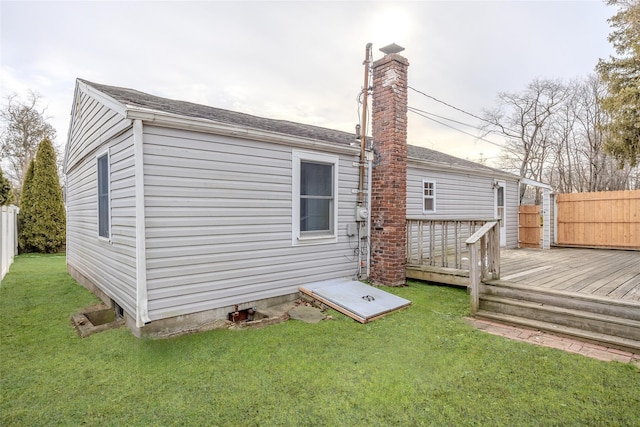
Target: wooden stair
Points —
{"points": [[609, 322]]}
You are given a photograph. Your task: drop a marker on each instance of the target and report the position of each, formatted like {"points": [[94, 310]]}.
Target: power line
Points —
{"points": [[465, 112], [450, 106], [440, 117], [413, 110]]}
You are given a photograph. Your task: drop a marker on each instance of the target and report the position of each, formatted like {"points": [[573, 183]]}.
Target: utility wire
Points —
{"points": [[417, 110], [463, 111], [454, 128], [450, 106]]}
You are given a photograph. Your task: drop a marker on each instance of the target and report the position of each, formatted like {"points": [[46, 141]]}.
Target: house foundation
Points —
{"points": [[192, 322]]}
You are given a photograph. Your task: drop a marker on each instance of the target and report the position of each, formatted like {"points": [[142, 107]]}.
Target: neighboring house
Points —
{"points": [[178, 213]]}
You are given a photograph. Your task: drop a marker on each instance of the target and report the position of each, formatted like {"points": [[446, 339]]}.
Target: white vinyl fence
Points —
{"points": [[8, 237]]}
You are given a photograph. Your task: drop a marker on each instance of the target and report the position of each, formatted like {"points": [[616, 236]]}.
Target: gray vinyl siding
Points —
{"points": [[93, 124], [109, 264], [218, 223], [458, 196], [462, 195], [512, 203]]}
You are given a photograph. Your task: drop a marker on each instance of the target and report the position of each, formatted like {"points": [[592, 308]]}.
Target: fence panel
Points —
{"points": [[609, 219], [8, 237]]}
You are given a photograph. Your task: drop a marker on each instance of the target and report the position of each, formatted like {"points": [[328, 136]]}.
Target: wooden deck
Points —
{"points": [[606, 273], [589, 294]]}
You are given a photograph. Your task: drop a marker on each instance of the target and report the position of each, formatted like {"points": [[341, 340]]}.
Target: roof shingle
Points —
{"points": [[134, 98]]}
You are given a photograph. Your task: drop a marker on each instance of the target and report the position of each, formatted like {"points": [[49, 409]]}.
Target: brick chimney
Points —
{"points": [[389, 175]]}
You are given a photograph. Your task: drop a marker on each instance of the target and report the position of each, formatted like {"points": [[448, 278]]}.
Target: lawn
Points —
{"points": [[420, 366]]}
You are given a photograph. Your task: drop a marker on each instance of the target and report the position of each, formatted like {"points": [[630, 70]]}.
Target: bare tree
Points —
{"points": [[524, 118], [580, 162], [556, 133], [24, 126]]}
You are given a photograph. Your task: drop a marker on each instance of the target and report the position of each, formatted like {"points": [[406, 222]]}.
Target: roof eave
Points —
{"points": [[535, 183], [103, 98], [164, 119], [448, 167]]}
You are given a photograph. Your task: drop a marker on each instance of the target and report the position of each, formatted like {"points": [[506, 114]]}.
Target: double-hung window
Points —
{"points": [[104, 214], [428, 196], [315, 185]]}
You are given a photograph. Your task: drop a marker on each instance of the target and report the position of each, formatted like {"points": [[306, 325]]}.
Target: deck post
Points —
{"points": [[483, 257], [495, 257], [474, 278], [478, 269], [420, 240]]}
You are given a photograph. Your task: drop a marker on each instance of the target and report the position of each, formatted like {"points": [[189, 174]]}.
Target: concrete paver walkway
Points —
{"points": [[546, 339]]}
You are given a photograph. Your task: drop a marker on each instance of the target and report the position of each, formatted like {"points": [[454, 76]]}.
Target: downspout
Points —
{"points": [[142, 310]]}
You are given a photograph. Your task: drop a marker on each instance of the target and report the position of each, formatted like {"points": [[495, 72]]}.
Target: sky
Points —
{"points": [[302, 60]]}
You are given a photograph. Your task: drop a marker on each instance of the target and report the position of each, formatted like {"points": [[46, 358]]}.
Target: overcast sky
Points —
{"points": [[301, 60]]}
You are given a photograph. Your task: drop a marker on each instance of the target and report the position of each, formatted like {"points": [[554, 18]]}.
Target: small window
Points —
{"points": [[428, 196], [103, 197], [314, 198]]}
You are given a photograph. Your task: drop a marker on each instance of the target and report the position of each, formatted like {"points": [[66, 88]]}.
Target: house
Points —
{"points": [[178, 213], [176, 208]]}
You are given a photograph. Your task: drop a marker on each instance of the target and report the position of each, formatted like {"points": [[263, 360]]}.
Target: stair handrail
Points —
{"points": [[487, 240]]}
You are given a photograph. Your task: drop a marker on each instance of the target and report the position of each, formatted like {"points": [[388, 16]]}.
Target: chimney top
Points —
{"points": [[392, 48]]}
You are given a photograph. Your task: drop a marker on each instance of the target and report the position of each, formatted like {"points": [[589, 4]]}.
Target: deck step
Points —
{"points": [[607, 321], [580, 334], [570, 300], [581, 319]]}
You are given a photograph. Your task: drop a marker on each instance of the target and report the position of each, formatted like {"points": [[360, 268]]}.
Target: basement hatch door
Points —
{"points": [[357, 300]]}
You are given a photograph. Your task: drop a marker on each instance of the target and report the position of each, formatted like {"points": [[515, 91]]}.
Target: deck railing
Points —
{"points": [[484, 259], [449, 248], [440, 242]]}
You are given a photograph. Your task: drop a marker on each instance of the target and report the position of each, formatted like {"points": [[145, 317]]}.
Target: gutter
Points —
{"points": [[158, 118], [142, 300]]}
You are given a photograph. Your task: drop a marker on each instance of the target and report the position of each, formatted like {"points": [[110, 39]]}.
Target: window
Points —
{"points": [[500, 202], [103, 196], [314, 203], [428, 196]]}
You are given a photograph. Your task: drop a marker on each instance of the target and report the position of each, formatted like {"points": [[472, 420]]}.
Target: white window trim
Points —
{"points": [[432, 181], [296, 238], [107, 153]]}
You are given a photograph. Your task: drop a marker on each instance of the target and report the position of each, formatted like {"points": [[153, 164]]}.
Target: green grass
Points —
{"points": [[420, 366]]}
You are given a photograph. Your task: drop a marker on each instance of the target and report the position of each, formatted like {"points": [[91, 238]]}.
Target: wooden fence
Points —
{"points": [[608, 219], [529, 226], [8, 237]]}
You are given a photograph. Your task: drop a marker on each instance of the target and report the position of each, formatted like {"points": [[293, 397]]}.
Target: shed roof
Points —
{"points": [[134, 98]]}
